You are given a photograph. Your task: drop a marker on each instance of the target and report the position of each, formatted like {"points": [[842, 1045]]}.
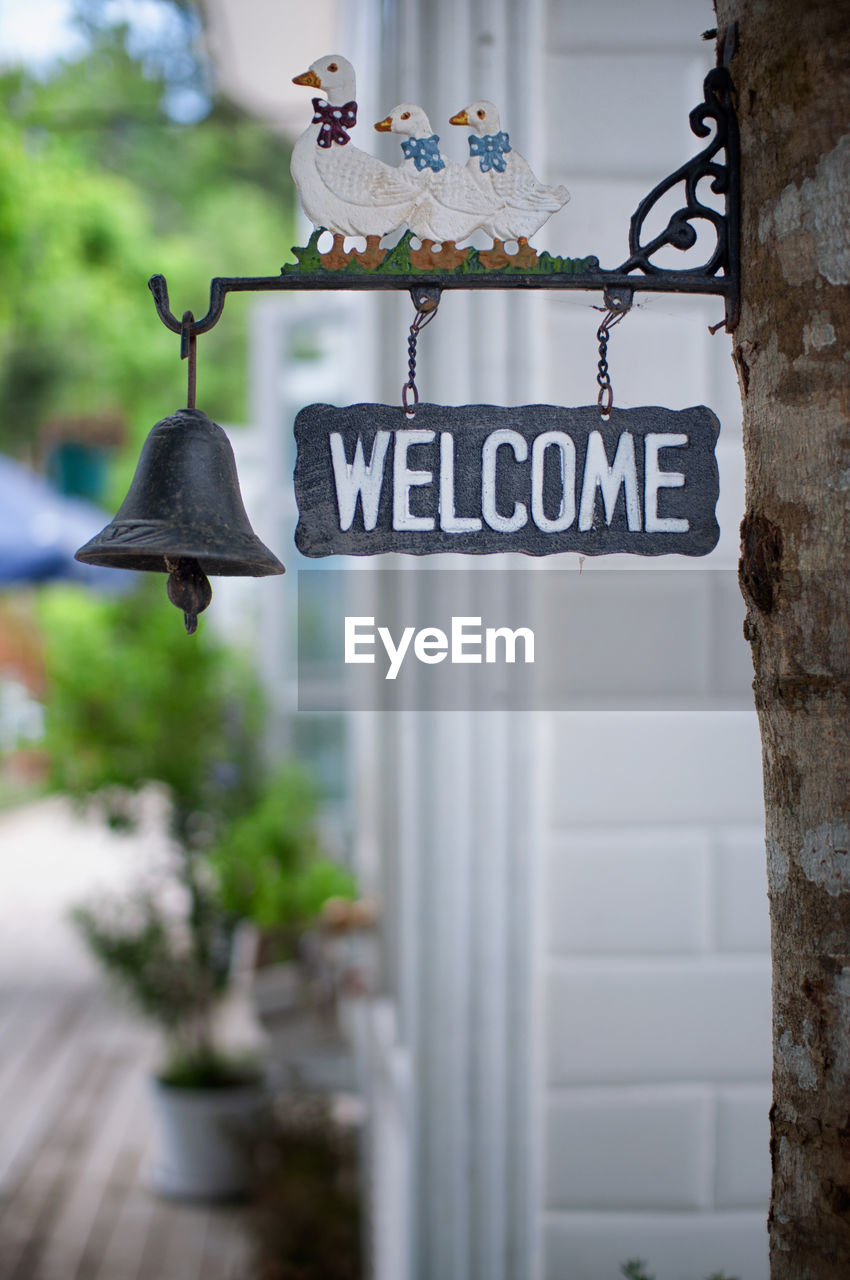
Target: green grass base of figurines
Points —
{"points": [[397, 262]]}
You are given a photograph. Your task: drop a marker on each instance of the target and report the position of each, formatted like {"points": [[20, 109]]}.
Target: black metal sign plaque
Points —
{"points": [[482, 479]]}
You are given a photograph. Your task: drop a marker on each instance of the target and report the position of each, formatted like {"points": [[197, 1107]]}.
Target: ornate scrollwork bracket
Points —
{"points": [[681, 231]]}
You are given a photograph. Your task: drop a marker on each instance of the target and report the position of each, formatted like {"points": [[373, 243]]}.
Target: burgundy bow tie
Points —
{"points": [[332, 120]]}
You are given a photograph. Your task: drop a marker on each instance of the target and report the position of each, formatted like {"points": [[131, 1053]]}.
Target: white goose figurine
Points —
{"points": [[451, 204], [525, 202], [342, 189]]}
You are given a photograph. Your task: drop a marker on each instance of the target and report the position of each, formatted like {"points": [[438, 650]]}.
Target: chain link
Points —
{"points": [[605, 399], [426, 308]]}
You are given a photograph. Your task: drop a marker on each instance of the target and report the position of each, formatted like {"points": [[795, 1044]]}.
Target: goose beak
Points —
{"points": [[385, 126], [460, 118], [310, 78]]}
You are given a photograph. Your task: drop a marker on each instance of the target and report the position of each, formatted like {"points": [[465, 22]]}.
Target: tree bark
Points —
{"points": [[792, 351]]}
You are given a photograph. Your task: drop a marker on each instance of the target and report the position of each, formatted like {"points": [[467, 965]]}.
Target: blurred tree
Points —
{"points": [[791, 350], [112, 167]]}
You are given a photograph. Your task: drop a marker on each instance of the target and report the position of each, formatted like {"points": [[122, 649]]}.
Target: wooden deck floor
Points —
{"points": [[75, 1145]]}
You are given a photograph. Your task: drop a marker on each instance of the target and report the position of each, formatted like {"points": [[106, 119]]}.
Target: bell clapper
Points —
{"points": [[188, 588]]}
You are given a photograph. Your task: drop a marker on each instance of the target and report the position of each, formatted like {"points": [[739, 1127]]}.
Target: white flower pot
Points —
{"points": [[205, 1140]]}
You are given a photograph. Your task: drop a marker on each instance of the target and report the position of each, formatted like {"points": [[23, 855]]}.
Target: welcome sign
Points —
{"points": [[483, 479]]}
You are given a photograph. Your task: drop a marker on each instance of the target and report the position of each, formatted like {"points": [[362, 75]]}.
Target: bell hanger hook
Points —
{"points": [[188, 586], [189, 351]]}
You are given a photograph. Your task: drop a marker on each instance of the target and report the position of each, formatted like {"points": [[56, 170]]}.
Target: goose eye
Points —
{"points": [[481, 114], [332, 66], [405, 115]]}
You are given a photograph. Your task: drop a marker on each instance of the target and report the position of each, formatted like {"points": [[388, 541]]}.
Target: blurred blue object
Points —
{"points": [[41, 529]]}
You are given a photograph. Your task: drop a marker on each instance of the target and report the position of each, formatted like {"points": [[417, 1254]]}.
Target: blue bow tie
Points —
{"points": [[424, 152], [492, 148]]}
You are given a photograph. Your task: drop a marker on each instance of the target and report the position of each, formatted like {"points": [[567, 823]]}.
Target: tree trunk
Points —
{"points": [[792, 350]]}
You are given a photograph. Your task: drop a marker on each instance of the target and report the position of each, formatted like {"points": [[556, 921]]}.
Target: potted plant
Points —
{"points": [[172, 959], [130, 704], [272, 877]]}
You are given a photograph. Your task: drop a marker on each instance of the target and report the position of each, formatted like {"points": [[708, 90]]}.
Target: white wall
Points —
{"points": [[453, 796], [568, 1063], [656, 1086], [571, 1064]]}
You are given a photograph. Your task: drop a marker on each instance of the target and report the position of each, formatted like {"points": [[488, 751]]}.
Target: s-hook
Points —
{"points": [[426, 300]]}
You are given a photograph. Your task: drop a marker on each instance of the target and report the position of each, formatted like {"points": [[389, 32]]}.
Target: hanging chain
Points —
{"points": [[605, 399], [426, 301]]}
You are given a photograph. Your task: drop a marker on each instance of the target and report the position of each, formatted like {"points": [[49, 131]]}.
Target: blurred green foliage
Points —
{"points": [[133, 702], [119, 164], [100, 188], [268, 861]]}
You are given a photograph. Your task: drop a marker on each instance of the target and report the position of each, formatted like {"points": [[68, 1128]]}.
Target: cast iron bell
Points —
{"points": [[183, 515]]}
